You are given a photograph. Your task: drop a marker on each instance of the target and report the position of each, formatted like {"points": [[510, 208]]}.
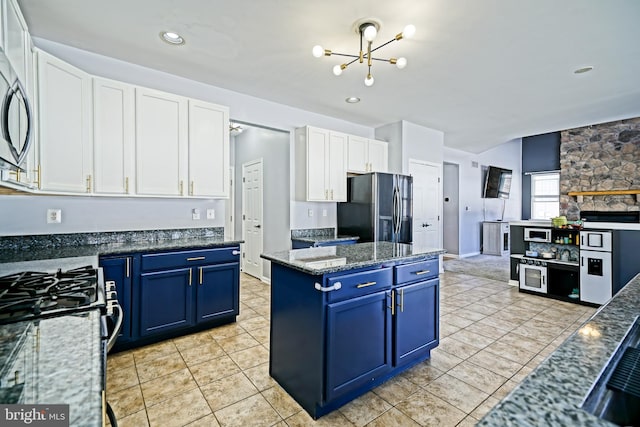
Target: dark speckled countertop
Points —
{"points": [[331, 259], [553, 393], [30, 248], [63, 364]]}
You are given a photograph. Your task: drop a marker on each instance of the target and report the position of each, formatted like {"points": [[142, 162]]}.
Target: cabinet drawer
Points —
{"points": [[417, 271], [187, 258], [361, 283]]}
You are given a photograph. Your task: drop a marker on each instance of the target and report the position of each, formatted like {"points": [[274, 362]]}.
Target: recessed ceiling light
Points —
{"points": [[583, 70], [171, 38], [352, 100]]}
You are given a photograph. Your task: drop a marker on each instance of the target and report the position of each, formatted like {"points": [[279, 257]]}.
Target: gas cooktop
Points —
{"points": [[32, 295]]}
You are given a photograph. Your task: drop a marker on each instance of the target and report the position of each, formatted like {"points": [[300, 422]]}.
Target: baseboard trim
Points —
{"points": [[470, 254], [514, 282]]}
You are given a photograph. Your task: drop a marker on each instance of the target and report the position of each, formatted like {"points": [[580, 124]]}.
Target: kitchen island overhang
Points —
{"points": [[345, 319]]}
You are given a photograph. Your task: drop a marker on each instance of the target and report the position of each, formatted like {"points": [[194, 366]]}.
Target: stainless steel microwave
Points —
{"points": [[15, 118], [542, 235]]}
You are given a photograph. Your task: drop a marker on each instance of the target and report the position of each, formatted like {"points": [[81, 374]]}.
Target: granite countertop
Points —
{"points": [[325, 239], [553, 393], [67, 368], [113, 248], [331, 259]]}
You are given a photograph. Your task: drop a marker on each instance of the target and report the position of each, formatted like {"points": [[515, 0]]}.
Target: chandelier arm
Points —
{"points": [[344, 54], [383, 45], [381, 59]]}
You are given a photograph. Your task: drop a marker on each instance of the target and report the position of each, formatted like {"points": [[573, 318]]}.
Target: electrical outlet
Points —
{"points": [[211, 214], [310, 213], [324, 212], [195, 213], [54, 216]]}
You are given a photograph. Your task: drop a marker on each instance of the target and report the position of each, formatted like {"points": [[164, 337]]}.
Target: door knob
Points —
{"points": [[425, 225], [257, 226]]}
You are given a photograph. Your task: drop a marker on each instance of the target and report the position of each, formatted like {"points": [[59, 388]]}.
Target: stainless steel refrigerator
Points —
{"points": [[379, 207]]}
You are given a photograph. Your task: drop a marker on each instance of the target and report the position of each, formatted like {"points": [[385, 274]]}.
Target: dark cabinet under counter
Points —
{"points": [[564, 281]]}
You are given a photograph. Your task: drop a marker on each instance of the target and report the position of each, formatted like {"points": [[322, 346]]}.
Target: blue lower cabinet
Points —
{"points": [[358, 342], [217, 291], [416, 304], [166, 300], [118, 270]]}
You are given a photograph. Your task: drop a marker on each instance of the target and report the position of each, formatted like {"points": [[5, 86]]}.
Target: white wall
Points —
{"points": [[25, 215], [473, 208], [410, 141]]}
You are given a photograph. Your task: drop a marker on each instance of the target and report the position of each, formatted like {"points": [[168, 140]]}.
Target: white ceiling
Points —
{"points": [[481, 71]]}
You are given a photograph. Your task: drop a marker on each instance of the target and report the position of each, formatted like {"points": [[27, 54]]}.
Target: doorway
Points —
{"points": [[252, 221], [451, 208]]}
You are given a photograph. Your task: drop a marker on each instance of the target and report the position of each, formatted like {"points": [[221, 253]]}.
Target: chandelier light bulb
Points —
{"points": [[317, 51], [337, 70], [401, 63], [368, 81], [408, 31], [370, 33]]}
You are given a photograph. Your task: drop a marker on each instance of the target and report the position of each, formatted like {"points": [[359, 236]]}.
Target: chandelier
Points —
{"points": [[368, 31]]}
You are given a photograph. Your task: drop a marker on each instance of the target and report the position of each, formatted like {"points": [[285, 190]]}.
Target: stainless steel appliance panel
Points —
{"points": [[379, 207]]}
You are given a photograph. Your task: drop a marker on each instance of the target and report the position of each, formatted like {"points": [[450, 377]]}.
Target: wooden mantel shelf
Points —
{"points": [[579, 194]]}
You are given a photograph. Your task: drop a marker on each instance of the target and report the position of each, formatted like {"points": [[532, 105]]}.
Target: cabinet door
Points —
{"points": [[357, 157], [65, 126], [15, 38], [208, 149], [161, 143], [337, 173], [317, 147], [165, 300], [416, 319], [113, 144], [378, 156], [118, 269], [358, 343], [217, 292]]}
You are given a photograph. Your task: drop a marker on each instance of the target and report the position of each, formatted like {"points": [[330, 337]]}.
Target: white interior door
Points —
{"points": [[427, 204], [252, 224]]}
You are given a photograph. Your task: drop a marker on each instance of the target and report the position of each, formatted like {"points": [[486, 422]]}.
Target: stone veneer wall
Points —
{"points": [[600, 157]]}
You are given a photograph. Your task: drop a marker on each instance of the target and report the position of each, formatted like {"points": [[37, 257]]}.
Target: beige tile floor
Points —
{"points": [[491, 337]]}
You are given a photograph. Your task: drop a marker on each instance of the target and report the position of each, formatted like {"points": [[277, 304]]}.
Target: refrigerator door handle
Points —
{"points": [[397, 212]]}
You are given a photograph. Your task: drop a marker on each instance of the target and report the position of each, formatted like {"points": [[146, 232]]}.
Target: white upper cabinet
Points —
{"points": [[65, 119], [367, 155], [113, 137], [378, 156], [320, 165], [161, 143], [208, 150], [15, 38]]}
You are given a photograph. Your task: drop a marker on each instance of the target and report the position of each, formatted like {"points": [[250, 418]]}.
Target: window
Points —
{"points": [[545, 195]]}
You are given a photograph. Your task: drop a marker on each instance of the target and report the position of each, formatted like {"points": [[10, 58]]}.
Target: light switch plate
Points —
{"points": [[195, 213]]}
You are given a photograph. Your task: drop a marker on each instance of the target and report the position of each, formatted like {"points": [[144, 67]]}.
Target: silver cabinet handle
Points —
{"points": [[335, 287], [364, 285]]}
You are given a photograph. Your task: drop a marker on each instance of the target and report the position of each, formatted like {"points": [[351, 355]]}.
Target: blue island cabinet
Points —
{"points": [[335, 336]]}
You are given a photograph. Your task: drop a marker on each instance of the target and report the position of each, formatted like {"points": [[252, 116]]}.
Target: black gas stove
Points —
{"points": [[31, 295]]}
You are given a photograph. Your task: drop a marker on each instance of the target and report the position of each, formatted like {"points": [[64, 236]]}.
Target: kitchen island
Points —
{"points": [[552, 395], [346, 318]]}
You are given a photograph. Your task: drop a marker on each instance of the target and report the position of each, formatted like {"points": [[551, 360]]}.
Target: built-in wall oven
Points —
{"points": [[596, 284], [533, 275]]}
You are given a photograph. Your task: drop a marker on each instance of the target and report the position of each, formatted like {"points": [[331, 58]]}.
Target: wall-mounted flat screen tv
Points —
{"points": [[497, 183]]}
